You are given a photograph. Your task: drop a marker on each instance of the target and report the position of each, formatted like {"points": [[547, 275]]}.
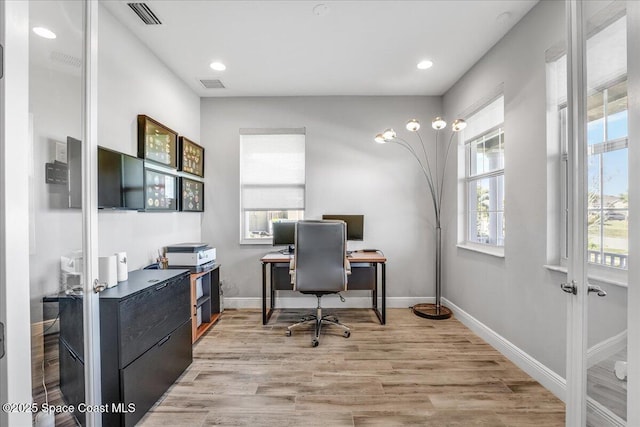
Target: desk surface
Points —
{"points": [[273, 257]]}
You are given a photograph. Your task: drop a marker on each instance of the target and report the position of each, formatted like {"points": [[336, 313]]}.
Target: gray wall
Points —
{"points": [[347, 172], [517, 296]]}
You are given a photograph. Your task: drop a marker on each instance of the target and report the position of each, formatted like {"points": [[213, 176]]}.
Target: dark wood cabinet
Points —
{"points": [[145, 339]]}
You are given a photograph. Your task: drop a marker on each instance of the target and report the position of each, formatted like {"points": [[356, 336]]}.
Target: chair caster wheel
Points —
{"points": [[347, 334], [288, 333], [314, 343]]}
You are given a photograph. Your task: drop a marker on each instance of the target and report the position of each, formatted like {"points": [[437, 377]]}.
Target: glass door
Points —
{"points": [[600, 214], [62, 150]]}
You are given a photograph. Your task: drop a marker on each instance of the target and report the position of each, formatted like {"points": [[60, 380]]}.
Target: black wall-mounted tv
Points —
{"points": [[120, 180]]}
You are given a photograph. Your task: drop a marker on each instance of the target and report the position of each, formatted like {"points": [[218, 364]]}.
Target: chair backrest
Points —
{"points": [[320, 256]]}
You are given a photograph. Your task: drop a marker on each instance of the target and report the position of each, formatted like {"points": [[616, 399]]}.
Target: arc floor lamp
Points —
{"points": [[435, 183]]}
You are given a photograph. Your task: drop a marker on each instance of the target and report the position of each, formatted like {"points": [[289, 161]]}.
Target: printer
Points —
{"points": [[194, 256]]}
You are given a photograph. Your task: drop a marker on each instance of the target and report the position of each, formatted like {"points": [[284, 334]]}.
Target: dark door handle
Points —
{"points": [[569, 288], [164, 285], [164, 340], [594, 288]]}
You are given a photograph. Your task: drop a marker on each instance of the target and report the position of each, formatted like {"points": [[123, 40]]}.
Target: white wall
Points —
{"points": [[517, 296], [134, 81], [347, 172]]}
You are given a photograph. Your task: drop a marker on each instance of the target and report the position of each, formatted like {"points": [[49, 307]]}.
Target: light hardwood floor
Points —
{"points": [[412, 371]]}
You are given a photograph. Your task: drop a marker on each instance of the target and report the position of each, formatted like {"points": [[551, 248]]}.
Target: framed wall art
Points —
{"points": [[160, 191], [191, 157], [156, 142], [191, 195]]}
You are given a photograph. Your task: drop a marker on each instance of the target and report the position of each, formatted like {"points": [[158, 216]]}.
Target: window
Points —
{"points": [[484, 175], [607, 141], [608, 183], [272, 180]]}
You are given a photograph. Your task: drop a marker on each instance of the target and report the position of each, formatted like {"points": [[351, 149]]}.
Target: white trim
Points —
{"points": [[15, 366], [329, 301], [604, 413], [541, 373], [91, 307], [577, 305], [273, 131], [633, 295], [607, 348], [496, 251]]}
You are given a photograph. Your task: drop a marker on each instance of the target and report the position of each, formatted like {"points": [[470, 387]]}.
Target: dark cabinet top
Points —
{"points": [[139, 280]]}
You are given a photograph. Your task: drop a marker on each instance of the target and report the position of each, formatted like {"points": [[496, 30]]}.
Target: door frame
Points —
{"points": [[577, 305], [15, 308], [91, 306], [576, 402], [15, 366], [633, 289]]}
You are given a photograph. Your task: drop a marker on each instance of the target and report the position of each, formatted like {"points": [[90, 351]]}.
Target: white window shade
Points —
{"points": [[273, 198], [272, 171], [485, 119]]}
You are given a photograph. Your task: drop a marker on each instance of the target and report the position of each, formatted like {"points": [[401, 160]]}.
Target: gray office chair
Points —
{"points": [[320, 267]]}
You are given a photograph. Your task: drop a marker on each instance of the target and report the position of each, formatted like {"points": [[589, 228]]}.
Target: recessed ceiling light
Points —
{"points": [[424, 65], [218, 66], [44, 32]]}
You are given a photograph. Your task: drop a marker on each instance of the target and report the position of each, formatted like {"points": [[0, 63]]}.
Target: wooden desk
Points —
{"points": [[374, 259]]}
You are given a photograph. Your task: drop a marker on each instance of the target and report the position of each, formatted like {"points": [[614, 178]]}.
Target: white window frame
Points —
{"points": [[496, 248], [297, 213]]}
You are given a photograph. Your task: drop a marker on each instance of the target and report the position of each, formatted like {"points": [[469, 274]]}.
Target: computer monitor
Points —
{"points": [[355, 225], [284, 233]]}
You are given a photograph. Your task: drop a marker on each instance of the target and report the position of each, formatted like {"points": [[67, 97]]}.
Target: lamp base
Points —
{"points": [[431, 311]]}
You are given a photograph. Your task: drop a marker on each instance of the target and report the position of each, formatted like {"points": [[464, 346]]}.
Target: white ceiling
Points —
{"points": [[281, 48]]}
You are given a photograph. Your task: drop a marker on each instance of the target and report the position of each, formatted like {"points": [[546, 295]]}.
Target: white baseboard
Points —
{"points": [[604, 416], [328, 301], [607, 348], [545, 376]]}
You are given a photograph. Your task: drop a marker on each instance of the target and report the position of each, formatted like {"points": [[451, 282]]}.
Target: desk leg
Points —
{"points": [[273, 292], [264, 294], [379, 314], [384, 293]]}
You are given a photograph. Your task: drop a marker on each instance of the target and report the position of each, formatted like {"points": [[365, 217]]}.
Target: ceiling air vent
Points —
{"points": [[212, 84], [66, 59], [145, 13]]}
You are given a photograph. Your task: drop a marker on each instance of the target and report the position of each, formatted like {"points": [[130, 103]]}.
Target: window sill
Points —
{"points": [[496, 251], [597, 276], [256, 242]]}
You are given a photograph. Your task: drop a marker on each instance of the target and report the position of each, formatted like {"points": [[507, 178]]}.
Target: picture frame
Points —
{"points": [[160, 191], [191, 157], [191, 195], [157, 143]]}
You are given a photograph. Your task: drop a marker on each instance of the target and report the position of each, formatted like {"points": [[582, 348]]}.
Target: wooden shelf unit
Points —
{"points": [[208, 303]]}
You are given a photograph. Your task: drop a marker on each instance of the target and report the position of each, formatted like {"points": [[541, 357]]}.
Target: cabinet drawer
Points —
{"points": [[144, 381], [71, 378], [147, 317], [71, 321]]}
